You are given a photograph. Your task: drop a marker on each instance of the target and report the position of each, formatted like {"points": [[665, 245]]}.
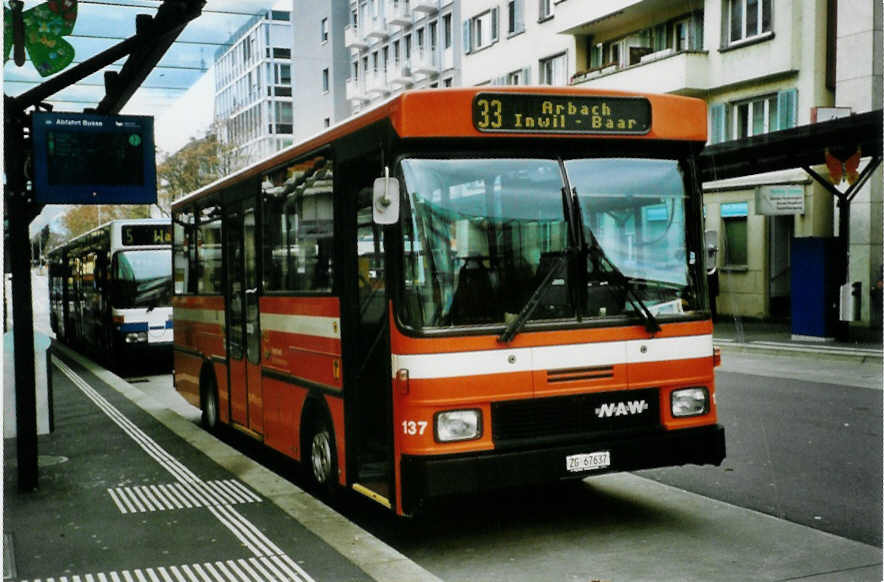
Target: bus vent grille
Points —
{"points": [[575, 374], [574, 416]]}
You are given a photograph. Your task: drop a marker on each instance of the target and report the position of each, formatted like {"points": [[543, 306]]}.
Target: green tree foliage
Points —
{"points": [[200, 162], [85, 217]]}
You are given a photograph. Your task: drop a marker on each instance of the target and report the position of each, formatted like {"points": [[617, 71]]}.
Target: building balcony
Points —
{"points": [[400, 73], [355, 90], [425, 6], [376, 28], [681, 73], [399, 13], [424, 63], [376, 83], [353, 39], [604, 18]]}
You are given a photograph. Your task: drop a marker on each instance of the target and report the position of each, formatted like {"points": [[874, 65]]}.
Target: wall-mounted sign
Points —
{"points": [[93, 159], [780, 199], [734, 209], [518, 112]]}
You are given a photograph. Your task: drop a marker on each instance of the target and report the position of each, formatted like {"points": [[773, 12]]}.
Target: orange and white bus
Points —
{"points": [[459, 290]]}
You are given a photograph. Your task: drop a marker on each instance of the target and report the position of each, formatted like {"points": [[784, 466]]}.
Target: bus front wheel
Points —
{"points": [[322, 460]]}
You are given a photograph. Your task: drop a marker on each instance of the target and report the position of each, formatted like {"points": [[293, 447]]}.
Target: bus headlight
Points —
{"points": [[458, 425], [689, 402], [136, 337]]}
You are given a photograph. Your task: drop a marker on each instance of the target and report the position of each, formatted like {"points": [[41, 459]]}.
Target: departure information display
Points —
{"points": [[93, 159]]}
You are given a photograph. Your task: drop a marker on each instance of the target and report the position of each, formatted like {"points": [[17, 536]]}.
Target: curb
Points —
{"points": [[858, 355], [380, 561]]}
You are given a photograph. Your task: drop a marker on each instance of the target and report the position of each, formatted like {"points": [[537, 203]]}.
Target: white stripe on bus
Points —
{"points": [[327, 327], [503, 361]]}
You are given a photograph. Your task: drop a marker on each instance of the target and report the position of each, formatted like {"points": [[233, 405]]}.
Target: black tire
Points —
{"points": [[209, 402], [320, 458]]}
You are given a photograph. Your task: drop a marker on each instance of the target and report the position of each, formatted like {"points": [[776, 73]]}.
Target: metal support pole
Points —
{"points": [[23, 336]]}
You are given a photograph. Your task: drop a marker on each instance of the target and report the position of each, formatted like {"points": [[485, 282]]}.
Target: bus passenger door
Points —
{"points": [[372, 358], [243, 329]]}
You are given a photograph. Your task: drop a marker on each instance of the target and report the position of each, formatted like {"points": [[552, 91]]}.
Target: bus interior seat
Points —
{"points": [[473, 300]]}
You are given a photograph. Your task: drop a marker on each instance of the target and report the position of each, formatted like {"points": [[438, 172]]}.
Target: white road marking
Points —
{"points": [[218, 497]]}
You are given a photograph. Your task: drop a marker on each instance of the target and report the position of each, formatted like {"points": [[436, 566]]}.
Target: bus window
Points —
{"points": [[182, 237], [477, 237], [209, 281], [298, 227], [142, 278], [635, 208]]}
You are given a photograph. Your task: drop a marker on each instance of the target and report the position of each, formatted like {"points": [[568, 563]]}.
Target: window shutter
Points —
{"points": [[696, 41], [519, 8], [718, 124], [595, 56], [466, 37], [495, 26], [787, 109]]}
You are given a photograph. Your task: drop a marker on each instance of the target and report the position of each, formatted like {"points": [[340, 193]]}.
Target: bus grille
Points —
{"points": [[557, 417]]}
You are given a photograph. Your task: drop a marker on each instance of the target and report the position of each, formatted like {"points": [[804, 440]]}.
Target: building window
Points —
{"points": [[482, 30], [518, 77], [545, 10], [748, 18], [446, 31], [325, 80], [755, 117], [734, 218], [326, 122], [323, 30], [515, 20], [554, 70]]}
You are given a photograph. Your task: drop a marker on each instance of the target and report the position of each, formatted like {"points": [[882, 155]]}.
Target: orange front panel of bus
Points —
{"points": [[541, 365]]}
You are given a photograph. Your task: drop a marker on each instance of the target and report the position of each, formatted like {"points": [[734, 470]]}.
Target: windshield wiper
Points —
{"points": [[531, 305], [598, 252]]}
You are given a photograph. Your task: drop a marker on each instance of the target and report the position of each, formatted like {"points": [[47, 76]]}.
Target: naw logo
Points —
{"points": [[628, 408]]}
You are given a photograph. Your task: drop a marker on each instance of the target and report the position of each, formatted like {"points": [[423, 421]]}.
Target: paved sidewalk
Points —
{"points": [[773, 338], [129, 490]]}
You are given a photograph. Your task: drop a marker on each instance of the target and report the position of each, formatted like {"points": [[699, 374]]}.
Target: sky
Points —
{"points": [[179, 92]]}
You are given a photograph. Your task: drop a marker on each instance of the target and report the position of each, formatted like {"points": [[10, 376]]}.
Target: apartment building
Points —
{"points": [[253, 87], [321, 64], [400, 44], [517, 42]]}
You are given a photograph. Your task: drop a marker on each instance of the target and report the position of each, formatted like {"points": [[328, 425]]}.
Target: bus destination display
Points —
{"points": [[145, 234], [536, 113], [93, 159]]}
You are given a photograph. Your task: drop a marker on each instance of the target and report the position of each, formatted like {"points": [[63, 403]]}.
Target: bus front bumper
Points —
{"points": [[427, 477]]}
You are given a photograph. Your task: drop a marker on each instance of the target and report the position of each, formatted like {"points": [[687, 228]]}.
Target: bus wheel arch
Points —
{"points": [[319, 454], [209, 398]]}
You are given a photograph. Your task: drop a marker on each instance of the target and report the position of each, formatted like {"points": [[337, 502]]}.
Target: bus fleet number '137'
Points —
{"points": [[414, 427]]}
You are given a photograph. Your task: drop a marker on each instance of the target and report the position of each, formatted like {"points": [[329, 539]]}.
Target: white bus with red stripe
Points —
{"points": [[457, 291]]}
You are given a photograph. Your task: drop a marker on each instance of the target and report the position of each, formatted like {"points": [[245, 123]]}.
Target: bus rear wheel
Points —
{"points": [[209, 406]]}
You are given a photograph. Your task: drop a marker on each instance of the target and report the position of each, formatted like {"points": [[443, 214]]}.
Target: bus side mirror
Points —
{"points": [[385, 201]]}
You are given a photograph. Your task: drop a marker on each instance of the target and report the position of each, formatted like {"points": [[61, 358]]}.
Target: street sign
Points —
{"points": [[83, 158]]}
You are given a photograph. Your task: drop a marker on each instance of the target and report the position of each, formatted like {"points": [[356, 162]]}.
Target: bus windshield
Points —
{"points": [[485, 237], [143, 278]]}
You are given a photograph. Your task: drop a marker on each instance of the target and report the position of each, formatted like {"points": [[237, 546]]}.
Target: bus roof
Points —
{"points": [[451, 113]]}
